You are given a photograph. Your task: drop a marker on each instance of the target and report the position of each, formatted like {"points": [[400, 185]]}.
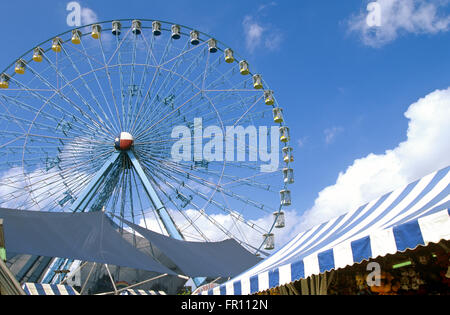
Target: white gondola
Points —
{"points": [[76, 37], [244, 68], [285, 197], [257, 82], [176, 32], [229, 55], [38, 53], [4, 81], [288, 175], [96, 31], [284, 134], [116, 28], [56, 44], [212, 45], [136, 27], [156, 28], [269, 241], [20, 67], [195, 37], [288, 156], [280, 221], [268, 97], [278, 115]]}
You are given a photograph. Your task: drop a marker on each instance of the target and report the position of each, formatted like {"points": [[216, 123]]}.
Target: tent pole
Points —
{"points": [[78, 268], [135, 285], [111, 278], [2, 243], [87, 279]]}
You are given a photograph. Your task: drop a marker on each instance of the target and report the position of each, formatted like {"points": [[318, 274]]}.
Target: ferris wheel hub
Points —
{"points": [[124, 141]]}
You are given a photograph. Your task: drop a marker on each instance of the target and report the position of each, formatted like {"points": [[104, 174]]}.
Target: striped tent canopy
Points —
{"points": [[142, 292], [416, 214], [48, 289]]}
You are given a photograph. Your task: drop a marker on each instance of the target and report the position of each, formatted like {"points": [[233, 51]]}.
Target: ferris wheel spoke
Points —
{"points": [[207, 116], [148, 93], [202, 212], [94, 72], [132, 78], [233, 179], [197, 192], [64, 113], [118, 46], [181, 78], [121, 71], [104, 121], [134, 118], [198, 47], [69, 168], [168, 115], [213, 186], [185, 216], [110, 84], [150, 48]]}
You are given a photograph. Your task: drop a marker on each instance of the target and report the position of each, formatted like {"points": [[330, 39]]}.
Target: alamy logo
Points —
{"points": [[374, 17], [74, 17], [230, 145]]}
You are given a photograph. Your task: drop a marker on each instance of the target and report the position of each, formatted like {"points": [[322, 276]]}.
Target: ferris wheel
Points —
{"points": [[90, 120]]}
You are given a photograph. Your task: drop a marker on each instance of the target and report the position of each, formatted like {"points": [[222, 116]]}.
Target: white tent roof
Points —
{"points": [[416, 214]]}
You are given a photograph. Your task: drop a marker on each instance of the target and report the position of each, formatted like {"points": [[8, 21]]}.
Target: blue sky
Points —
{"points": [[345, 91]]}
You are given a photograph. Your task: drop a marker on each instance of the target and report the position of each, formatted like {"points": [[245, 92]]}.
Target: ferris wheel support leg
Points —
{"points": [[84, 198], [163, 214], [165, 217]]}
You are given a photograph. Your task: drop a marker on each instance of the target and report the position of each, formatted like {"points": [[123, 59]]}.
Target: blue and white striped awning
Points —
{"points": [[416, 214], [48, 289], [142, 292]]}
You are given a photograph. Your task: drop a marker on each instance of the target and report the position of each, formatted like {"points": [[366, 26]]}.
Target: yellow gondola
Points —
{"points": [[38, 54], [96, 31], [20, 67], [284, 134], [229, 55], [4, 81], [268, 97], [278, 115], [76, 37], [56, 44], [257, 82], [288, 156], [244, 68]]}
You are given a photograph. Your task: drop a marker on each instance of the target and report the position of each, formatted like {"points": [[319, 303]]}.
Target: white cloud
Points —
{"points": [[253, 33], [399, 17], [426, 149], [302, 142], [331, 133], [88, 16], [261, 35]]}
